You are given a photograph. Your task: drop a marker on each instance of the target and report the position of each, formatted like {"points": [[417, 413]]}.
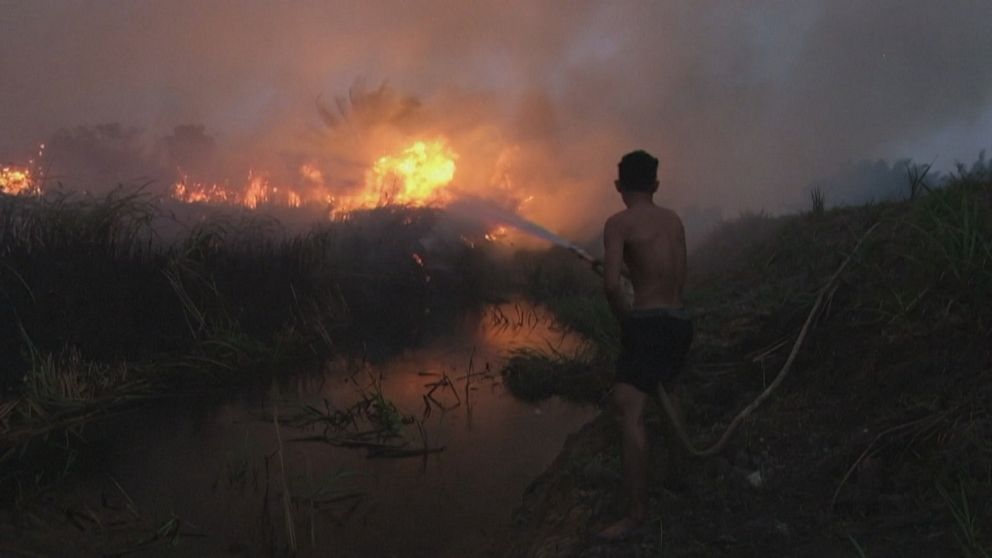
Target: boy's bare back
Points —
{"points": [[651, 241], [654, 336]]}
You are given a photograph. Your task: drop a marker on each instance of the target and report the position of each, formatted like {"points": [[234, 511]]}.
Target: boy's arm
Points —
{"points": [[612, 265]]}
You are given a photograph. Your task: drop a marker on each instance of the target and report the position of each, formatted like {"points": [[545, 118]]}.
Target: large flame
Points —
{"points": [[416, 176]]}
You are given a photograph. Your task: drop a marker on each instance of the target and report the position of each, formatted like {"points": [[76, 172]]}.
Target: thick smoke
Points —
{"points": [[745, 103]]}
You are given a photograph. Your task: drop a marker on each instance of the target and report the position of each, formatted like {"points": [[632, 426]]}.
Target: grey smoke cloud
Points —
{"points": [[745, 103]]}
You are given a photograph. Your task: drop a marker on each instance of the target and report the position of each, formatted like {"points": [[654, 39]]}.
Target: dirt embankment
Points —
{"points": [[878, 442]]}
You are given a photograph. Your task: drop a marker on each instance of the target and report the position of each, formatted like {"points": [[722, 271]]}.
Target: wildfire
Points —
{"points": [[196, 192], [17, 180], [416, 176], [256, 191]]}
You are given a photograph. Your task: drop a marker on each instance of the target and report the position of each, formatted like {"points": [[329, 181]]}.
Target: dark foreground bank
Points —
{"points": [[876, 445]]}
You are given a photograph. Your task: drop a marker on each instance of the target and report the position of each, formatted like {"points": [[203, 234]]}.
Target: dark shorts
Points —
{"points": [[654, 345]]}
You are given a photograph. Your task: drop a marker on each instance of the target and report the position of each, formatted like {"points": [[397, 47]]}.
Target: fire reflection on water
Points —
{"points": [[473, 356], [448, 503]]}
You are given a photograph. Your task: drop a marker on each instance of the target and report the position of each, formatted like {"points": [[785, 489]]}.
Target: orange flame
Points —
{"points": [[17, 180], [197, 192], [21, 180], [416, 177], [256, 191]]}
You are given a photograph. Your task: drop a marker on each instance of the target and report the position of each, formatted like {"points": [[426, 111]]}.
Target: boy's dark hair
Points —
{"points": [[638, 172]]}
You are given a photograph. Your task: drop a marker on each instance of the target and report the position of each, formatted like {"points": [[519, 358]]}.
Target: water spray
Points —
{"points": [[486, 211]]}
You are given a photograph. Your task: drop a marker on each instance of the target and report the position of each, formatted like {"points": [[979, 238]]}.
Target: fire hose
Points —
{"points": [[825, 291]]}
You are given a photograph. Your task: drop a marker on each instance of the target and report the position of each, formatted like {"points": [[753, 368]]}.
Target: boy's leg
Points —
{"points": [[677, 454], [630, 406]]}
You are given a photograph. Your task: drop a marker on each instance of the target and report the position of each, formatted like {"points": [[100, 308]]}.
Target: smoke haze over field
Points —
{"points": [[745, 103]]}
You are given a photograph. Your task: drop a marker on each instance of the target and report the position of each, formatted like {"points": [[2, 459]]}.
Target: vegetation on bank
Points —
{"points": [[572, 292], [104, 301], [884, 424]]}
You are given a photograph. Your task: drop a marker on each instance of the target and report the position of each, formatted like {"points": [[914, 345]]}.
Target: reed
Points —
{"points": [[109, 300], [818, 202]]}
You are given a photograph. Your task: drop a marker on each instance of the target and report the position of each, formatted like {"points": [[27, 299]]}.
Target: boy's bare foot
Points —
{"points": [[621, 530]]}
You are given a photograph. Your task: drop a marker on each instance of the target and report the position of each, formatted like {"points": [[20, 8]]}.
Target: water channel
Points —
{"points": [[215, 466]]}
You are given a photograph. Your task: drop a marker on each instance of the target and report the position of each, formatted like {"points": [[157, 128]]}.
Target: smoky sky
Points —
{"points": [[744, 103]]}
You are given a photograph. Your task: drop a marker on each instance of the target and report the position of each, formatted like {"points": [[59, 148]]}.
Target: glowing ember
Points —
{"points": [[17, 180], [496, 234]]}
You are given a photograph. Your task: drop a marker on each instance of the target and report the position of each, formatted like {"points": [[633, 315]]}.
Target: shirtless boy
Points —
{"points": [[656, 332]]}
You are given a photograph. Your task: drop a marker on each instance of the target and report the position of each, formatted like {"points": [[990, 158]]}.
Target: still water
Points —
{"points": [[215, 465]]}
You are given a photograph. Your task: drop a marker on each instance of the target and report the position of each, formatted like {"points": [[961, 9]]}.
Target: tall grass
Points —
{"points": [[953, 226], [100, 295], [968, 525], [903, 346], [818, 202], [93, 274], [66, 379], [572, 292]]}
